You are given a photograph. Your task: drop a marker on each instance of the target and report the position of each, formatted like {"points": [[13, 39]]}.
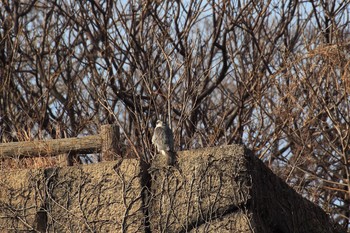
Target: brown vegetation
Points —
{"points": [[272, 75]]}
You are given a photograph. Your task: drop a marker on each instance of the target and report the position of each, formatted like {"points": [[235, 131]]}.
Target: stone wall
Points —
{"points": [[221, 189]]}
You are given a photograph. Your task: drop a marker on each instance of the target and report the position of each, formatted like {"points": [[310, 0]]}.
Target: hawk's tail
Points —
{"points": [[172, 158]]}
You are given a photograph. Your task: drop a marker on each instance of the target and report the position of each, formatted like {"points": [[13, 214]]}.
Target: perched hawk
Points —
{"points": [[163, 140]]}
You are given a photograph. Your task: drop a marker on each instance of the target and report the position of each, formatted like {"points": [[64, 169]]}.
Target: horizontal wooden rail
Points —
{"points": [[104, 142], [86, 144]]}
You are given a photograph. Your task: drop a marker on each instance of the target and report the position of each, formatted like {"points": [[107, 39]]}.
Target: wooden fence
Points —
{"points": [[105, 143]]}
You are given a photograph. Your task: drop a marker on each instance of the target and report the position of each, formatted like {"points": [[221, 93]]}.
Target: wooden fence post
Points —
{"points": [[110, 142]]}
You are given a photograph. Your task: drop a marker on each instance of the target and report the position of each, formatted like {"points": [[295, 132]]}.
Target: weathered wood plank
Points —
{"points": [[111, 136], [87, 144]]}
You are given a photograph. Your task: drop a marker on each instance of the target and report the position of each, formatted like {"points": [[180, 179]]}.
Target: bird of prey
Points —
{"points": [[163, 140]]}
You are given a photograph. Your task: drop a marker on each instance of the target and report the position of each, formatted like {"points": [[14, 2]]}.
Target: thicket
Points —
{"points": [[272, 75]]}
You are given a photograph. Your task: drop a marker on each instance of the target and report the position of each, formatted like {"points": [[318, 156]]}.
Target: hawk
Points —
{"points": [[163, 140]]}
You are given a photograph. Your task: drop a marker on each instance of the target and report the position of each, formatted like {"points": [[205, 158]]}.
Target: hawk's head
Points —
{"points": [[160, 123]]}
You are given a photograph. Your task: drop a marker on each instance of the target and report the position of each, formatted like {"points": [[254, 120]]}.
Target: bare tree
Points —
{"points": [[272, 75]]}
